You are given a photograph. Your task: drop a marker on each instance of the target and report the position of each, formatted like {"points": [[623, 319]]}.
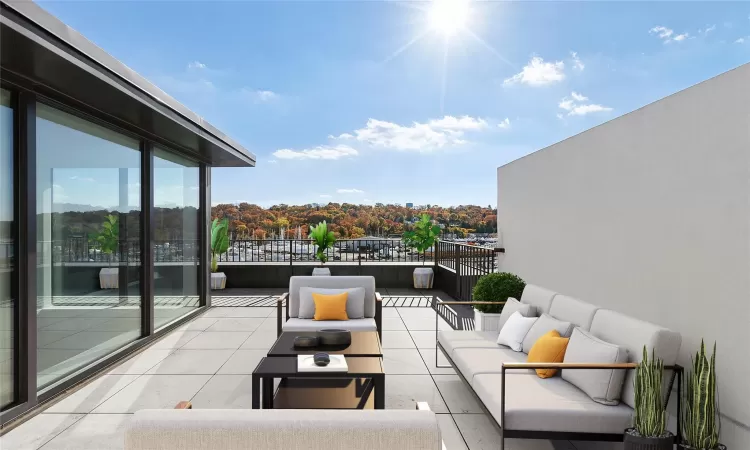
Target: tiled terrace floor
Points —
{"points": [[209, 361]]}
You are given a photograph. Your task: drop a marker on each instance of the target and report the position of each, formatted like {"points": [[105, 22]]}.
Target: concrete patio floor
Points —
{"points": [[209, 361]]}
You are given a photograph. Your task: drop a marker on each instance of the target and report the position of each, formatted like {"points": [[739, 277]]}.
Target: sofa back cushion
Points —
{"points": [[512, 305], [282, 429], [602, 385], [633, 334], [544, 325], [355, 302], [331, 282], [572, 310], [538, 297]]}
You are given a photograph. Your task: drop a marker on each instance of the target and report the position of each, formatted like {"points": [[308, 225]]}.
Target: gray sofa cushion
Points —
{"points": [[549, 404], [572, 310], [538, 297], [473, 361], [296, 324], [333, 282], [512, 305], [355, 301], [451, 340], [543, 325], [277, 429], [602, 385], [633, 334]]}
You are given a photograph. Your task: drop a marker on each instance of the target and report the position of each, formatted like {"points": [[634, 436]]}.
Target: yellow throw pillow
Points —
{"points": [[550, 348], [330, 307]]}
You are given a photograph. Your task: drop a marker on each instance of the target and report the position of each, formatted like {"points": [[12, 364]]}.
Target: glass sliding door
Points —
{"points": [[88, 233], [176, 237], [7, 263]]}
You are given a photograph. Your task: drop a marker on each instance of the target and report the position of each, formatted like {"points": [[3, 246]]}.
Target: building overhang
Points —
{"points": [[38, 50]]}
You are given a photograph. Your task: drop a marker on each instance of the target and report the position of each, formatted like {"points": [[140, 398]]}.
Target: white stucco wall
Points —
{"points": [[649, 214]]}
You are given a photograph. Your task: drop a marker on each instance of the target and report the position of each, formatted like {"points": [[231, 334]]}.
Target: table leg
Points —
{"points": [[379, 382], [267, 393], [256, 392]]}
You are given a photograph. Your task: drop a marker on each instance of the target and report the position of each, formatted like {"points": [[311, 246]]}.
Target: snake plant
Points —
{"points": [[650, 416], [700, 418]]}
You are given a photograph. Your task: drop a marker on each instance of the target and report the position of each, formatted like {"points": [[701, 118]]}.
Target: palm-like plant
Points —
{"points": [[219, 241], [650, 415], [423, 236], [323, 240], [108, 237], [700, 416]]}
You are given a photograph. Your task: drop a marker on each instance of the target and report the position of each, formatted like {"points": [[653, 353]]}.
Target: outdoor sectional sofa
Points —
{"points": [[528, 407]]}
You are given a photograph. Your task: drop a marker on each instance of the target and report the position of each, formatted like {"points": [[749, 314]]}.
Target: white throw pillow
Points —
{"points": [[544, 325], [515, 330]]}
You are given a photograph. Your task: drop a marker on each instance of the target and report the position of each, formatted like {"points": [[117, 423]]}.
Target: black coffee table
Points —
{"points": [[319, 390], [364, 344]]}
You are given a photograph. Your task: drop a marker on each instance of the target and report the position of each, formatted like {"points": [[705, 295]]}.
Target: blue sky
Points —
{"points": [[334, 112]]}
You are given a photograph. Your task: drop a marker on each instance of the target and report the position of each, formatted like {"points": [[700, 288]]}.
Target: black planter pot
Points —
{"points": [[687, 447], [637, 442]]}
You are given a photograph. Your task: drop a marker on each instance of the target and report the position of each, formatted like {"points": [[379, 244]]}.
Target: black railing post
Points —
{"points": [[291, 249], [457, 267]]}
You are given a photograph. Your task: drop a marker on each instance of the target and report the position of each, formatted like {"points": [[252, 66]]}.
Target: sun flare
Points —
{"points": [[449, 16]]}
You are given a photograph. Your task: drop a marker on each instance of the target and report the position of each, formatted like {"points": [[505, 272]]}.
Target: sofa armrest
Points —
{"points": [[424, 406], [379, 315], [527, 365], [279, 305], [184, 405]]}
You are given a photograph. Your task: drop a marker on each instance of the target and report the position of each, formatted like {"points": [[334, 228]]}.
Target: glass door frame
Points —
{"points": [[24, 285]]}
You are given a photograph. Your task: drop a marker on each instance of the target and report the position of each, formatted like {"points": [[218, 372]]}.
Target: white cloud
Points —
{"points": [[319, 152], [349, 191], [577, 63], [707, 30], [505, 124], [86, 179], [325, 196], [367, 200], [578, 97], [259, 95], [681, 37], [740, 41], [582, 110], [576, 107], [458, 123], [539, 73], [272, 161], [422, 137], [196, 65], [663, 32]]}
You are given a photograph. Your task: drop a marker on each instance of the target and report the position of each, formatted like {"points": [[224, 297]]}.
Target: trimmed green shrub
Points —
{"points": [[496, 287]]}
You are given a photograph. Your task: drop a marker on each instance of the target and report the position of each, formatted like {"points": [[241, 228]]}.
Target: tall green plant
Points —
{"points": [[650, 415], [219, 241], [323, 239], [700, 415], [423, 236], [109, 236]]}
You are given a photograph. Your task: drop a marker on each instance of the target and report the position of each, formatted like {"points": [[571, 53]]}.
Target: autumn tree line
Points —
{"points": [[350, 221]]}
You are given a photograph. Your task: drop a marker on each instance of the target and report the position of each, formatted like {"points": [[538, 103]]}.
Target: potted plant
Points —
{"points": [[323, 240], [108, 239], [700, 412], [422, 238], [219, 245], [494, 287], [649, 428]]}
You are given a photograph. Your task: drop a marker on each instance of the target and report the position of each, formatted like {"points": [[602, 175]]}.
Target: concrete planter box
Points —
{"points": [[423, 278], [321, 272], [109, 278], [486, 321], [218, 281]]}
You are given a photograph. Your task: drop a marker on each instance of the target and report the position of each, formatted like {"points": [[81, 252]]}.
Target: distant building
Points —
{"points": [[410, 205]]}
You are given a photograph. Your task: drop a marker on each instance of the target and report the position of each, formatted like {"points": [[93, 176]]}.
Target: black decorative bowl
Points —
{"points": [[335, 337], [306, 341]]}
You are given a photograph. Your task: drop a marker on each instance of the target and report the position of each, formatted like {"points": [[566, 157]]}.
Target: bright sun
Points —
{"points": [[449, 16]]}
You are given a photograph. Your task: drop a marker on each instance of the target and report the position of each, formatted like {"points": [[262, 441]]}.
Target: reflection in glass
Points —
{"points": [[7, 265], [88, 222], [176, 237]]}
